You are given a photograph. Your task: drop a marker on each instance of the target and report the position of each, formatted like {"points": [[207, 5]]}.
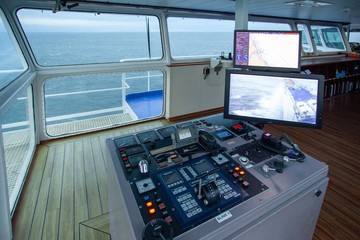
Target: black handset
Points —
{"points": [[207, 140]]}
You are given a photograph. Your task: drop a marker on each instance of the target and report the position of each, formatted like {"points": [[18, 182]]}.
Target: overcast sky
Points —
{"points": [[38, 21]]}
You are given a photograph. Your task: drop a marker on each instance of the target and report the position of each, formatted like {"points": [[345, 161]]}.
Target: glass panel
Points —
{"points": [[87, 102], [12, 63], [354, 37], [67, 38], [305, 38], [19, 144], [195, 37], [328, 38], [268, 26]]}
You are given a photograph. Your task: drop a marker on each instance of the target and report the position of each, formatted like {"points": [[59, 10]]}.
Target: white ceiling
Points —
{"points": [[347, 11]]}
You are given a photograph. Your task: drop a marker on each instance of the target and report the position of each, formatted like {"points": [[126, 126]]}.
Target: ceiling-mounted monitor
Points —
{"points": [[273, 97], [267, 50]]}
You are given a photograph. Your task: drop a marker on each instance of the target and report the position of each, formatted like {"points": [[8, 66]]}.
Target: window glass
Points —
{"points": [[354, 37], [12, 63], [198, 37], [268, 26], [327, 38], [98, 101], [19, 141], [67, 38], [305, 38]]}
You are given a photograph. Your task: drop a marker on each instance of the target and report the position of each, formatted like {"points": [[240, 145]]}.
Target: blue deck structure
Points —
{"points": [[146, 104]]}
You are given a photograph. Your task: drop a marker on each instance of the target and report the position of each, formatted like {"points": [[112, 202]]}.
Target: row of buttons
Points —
{"points": [[125, 160], [174, 184], [179, 190], [189, 205], [161, 206], [237, 173], [225, 190]]}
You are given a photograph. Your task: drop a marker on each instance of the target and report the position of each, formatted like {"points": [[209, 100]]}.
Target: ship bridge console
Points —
{"points": [[212, 178]]}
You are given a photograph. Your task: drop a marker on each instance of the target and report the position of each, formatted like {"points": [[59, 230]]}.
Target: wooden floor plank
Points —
{"points": [[79, 175], [80, 203], [100, 173], [40, 208], [56, 179], [92, 188], [67, 214], [30, 195], [51, 224]]}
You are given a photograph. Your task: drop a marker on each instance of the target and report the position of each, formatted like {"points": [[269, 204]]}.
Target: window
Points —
{"points": [[354, 37], [12, 62], [200, 38], [95, 101], [328, 38], [68, 38], [268, 26], [305, 38], [19, 141]]}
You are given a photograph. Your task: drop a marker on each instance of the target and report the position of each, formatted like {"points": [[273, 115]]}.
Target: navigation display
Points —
{"points": [[202, 166], [267, 50], [171, 178], [268, 97]]}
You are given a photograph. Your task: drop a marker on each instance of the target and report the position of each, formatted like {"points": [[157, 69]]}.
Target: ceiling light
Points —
{"points": [[309, 3]]}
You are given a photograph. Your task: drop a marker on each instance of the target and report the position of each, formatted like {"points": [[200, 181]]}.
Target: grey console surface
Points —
{"points": [[223, 185]]}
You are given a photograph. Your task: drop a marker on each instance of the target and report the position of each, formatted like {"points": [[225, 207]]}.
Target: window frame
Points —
{"points": [[315, 51], [104, 10], [20, 53], [44, 124], [200, 15]]}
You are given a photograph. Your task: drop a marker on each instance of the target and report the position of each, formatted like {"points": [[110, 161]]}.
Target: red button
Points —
{"points": [[162, 206], [169, 219], [236, 175], [245, 184], [128, 165]]}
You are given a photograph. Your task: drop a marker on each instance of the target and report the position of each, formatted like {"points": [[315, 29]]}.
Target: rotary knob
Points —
{"points": [[244, 160]]}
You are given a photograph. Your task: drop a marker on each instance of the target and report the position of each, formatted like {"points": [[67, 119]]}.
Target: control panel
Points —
{"points": [[183, 175]]}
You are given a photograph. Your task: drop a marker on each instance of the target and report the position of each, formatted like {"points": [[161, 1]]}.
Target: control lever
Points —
{"points": [[157, 229], [288, 159], [209, 192], [267, 169], [143, 166]]}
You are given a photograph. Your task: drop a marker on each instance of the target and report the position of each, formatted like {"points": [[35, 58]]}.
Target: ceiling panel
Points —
{"points": [[340, 11]]}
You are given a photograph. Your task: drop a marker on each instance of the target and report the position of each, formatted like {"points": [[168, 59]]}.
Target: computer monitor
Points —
{"points": [[267, 50], [274, 97]]}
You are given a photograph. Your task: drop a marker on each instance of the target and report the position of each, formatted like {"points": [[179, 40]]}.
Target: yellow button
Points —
{"points": [[152, 210]]}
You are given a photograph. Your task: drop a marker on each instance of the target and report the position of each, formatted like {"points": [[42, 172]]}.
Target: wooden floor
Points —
{"points": [[67, 180]]}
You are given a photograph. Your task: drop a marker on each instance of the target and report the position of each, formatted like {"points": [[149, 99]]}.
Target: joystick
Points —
{"points": [[208, 192], [157, 229]]}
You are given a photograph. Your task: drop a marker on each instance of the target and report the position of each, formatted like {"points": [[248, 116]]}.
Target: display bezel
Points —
{"points": [[264, 120], [268, 68]]}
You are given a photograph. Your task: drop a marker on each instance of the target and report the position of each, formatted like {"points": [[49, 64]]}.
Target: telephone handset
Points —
{"points": [[207, 140]]}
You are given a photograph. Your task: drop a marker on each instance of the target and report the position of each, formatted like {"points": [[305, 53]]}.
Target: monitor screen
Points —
{"points": [[273, 97], [267, 50]]}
